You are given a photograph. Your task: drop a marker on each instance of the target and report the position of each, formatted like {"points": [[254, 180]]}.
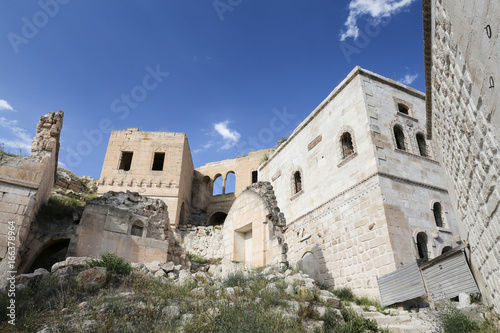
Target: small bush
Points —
{"points": [[236, 279], [345, 294], [112, 263], [59, 207], [454, 321], [196, 258], [355, 323]]}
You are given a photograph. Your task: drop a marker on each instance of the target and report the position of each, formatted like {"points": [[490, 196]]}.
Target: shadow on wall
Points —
{"points": [[313, 264]]}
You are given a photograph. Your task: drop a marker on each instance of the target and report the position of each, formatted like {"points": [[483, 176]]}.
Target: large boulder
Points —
{"points": [[93, 277]]}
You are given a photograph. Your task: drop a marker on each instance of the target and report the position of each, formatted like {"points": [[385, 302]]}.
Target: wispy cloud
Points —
{"points": [[376, 9], [408, 79], [21, 140], [230, 137], [204, 147], [4, 105]]}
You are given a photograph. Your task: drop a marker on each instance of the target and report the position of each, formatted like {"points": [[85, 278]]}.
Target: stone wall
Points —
{"points": [[25, 184], [411, 180], [252, 232], [462, 55], [243, 168], [129, 225], [203, 241]]}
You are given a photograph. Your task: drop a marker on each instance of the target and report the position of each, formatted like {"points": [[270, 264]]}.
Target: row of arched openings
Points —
{"points": [[224, 185]]}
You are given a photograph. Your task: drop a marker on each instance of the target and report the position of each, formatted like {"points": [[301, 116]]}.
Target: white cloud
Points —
{"points": [[4, 105], [22, 140], [408, 79], [231, 137], [377, 9], [204, 147]]}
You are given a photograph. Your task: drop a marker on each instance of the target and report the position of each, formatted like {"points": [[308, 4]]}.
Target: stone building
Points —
{"points": [[25, 184], [462, 52], [155, 164], [360, 186]]}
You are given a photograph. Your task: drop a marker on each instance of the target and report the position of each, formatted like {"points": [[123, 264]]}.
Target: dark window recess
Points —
{"points": [[298, 182], [422, 246], [158, 161], [438, 217], [422, 145], [126, 160], [403, 108], [400, 138], [255, 176], [347, 147], [137, 229]]}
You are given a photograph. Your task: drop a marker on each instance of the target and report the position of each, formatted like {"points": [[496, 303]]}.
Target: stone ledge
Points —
{"points": [[415, 155], [347, 159]]}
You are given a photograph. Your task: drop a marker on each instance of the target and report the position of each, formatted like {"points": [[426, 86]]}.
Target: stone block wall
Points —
{"points": [[344, 242], [203, 241], [411, 178], [25, 184], [133, 227], [462, 55], [252, 233]]}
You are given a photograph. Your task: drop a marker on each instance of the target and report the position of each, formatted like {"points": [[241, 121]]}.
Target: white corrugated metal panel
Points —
{"points": [[449, 277], [404, 284]]}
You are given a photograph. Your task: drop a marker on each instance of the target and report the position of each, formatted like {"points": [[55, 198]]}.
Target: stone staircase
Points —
{"points": [[400, 321]]}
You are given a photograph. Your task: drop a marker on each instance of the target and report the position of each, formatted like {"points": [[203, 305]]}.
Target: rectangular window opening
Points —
{"points": [[255, 176], [126, 160], [158, 161]]}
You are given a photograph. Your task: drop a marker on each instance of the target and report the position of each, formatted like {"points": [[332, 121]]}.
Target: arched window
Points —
{"points": [[438, 214], [400, 137], [137, 228], [218, 183], [347, 146], [230, 186], [403, 108], [446, 249], [422, 246], [422, 145], [297, 178]]}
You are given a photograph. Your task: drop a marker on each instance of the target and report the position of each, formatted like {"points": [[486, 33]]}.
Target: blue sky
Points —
{"points": [[234, 75]]}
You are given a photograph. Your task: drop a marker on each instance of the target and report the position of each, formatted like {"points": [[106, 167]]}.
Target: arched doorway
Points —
{"points": [[217, 218], [53, 252]]}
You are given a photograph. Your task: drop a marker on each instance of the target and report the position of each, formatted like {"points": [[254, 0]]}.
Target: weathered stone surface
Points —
{"points": [[171, 312], [185, 277], [37, 274], [74, 262], [93, 277], [199, 292]]}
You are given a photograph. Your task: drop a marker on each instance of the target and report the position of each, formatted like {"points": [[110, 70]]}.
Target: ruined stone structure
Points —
{"points": [[159, 165], [132, 226], [461, 62], [214, 205], [252, 232], [25, 184], [155, 164]]}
